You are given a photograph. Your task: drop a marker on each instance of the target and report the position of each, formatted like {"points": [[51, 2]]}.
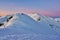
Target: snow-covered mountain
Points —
{"points": [[22, 26], [57, 19]]}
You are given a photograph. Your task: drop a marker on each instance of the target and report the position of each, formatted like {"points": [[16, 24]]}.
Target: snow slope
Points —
{"points": [[30, 27]]}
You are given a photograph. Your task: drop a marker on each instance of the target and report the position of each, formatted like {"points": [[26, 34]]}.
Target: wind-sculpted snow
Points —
{"points": [[30, 37]]}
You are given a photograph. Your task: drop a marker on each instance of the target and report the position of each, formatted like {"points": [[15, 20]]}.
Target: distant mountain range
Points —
{"points": [[29, 26]]}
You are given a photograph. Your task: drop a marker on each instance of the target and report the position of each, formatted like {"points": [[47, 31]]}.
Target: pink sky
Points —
{"points": [[24, 10], [48, 8]]}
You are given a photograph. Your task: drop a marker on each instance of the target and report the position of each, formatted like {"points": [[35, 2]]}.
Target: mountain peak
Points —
{"points": [[33, 17], [6, 20], [22, 24]]}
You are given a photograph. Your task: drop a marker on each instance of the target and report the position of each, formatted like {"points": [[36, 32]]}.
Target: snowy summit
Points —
{"points": [[27, 26]]}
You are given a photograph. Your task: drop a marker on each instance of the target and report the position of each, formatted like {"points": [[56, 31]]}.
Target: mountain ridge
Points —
{"points": [[29, 24]]}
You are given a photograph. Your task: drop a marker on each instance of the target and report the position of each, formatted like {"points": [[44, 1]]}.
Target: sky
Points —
{"points": [[44, 7]]}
